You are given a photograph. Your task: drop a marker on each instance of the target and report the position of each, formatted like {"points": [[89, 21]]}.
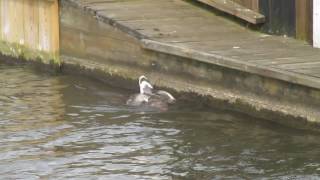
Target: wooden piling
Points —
{"points": [[316, 23], [304, 20], [30, 29]]}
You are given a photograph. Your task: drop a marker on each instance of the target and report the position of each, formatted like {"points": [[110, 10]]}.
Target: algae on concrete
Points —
{"points": [[20, 51]]}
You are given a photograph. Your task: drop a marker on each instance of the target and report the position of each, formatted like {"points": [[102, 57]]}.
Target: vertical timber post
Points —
{"points": [[316, 23], [255, 5], [30, 29], [304, 20]]}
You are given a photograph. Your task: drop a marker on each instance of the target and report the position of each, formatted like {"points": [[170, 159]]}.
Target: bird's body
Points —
{"points": [[150, 98], [137, 99]]}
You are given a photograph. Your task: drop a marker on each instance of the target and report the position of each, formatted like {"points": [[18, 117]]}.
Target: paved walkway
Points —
{"points": [[180, 28]]}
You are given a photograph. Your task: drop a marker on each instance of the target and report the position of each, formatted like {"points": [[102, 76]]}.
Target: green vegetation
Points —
{"points": [[23, 52]]}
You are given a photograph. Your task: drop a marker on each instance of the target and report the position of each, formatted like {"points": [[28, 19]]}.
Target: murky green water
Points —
{"points": [[64, 127]]}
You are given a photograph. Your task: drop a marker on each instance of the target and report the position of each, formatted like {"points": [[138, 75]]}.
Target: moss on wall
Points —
{"points": [[19, 51]]}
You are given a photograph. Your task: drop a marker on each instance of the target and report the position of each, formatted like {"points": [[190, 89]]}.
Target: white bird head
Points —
{"points": [[145, 86]]}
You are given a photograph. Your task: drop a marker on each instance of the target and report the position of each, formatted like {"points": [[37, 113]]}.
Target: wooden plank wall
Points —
{"points": [[30, 26], [289, 17], [280, 16], [284, 17], [251, 4]]}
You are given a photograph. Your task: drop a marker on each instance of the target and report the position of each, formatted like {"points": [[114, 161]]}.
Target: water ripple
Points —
{"points": [[63, 127]]}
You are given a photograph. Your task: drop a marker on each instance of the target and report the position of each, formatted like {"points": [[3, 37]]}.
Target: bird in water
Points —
{"points": [[148, 97]]}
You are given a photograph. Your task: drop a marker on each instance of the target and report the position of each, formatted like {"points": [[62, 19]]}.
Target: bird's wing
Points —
{"points": [[146, 87], [165, 93]]}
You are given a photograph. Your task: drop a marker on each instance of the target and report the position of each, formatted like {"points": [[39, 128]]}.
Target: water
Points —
{"points": [[67, 127]]}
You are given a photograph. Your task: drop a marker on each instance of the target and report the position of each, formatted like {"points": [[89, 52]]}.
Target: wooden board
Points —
{"points": [[316, 23], [304, 20], [236, 9], [185, 30], [280, 16], [30, 26]]}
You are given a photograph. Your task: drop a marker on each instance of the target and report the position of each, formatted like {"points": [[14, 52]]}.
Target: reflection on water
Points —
{"points": [[62, 127]]}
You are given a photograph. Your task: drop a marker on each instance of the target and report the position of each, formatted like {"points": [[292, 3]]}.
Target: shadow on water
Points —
{"points": [[60, 126]]}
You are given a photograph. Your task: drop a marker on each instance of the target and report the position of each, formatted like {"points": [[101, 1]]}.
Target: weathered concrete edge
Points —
{"points": [[300, 115], [108, 20], [211, 58], [261, 107], [227, 62]]}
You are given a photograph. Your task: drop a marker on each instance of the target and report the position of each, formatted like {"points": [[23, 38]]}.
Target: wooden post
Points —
{"points": [[30, 28], [255, 5], [316, 23], [236, 8], [55, 36], [303, 20], [31, 24]]}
